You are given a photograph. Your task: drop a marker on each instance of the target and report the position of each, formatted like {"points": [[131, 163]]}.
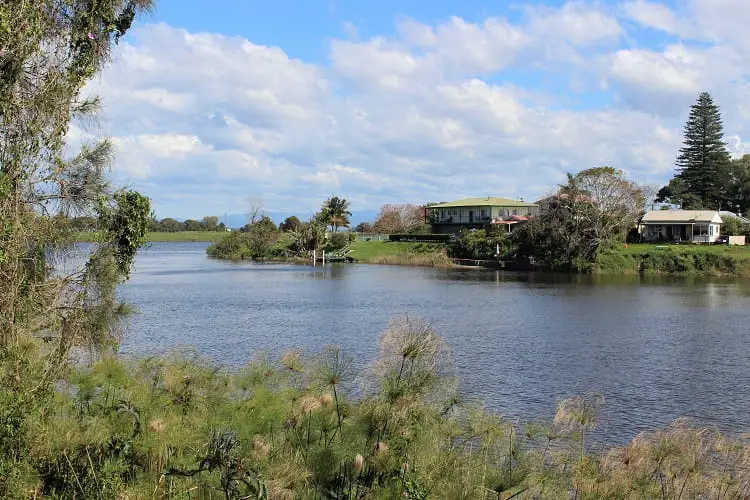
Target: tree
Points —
{"points": [[192, 225], [364, 227], [704, 157], [171, 225], [592, 211], [335, 213], [309, 236], [49, 50], [736, 185], [210, 223], [480, 244], [262, 235], [290, 223], [675, 193], [399, 218]]}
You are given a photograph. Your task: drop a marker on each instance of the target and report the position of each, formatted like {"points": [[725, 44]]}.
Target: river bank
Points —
{"points": [[635, 259], [676, 260]]}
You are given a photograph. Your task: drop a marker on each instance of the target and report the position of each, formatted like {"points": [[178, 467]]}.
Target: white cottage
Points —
{"points": [[692, 226]]}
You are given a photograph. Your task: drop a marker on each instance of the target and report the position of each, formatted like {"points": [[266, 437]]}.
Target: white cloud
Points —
{"points": [[577, 23], [435, 112], [653, 15]]}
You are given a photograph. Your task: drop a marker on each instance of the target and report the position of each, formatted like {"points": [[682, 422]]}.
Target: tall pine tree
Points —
{"points": [[704, 156]]}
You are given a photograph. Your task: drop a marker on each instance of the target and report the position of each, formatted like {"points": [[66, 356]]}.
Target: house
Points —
{"points": [[724, 214], [473, 213], [693, 226]]}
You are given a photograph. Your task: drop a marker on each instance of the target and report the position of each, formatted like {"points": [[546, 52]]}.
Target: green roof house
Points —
{"points": [[472, 213]]}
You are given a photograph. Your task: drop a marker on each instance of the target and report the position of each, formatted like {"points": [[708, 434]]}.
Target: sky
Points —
{"points": [[217, 106]]}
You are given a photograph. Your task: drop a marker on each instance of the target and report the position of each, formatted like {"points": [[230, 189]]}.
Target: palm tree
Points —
{"points": [[335, 212]]}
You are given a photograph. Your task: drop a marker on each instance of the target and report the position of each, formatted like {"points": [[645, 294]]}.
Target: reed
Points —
{"points": [[318, 425]]}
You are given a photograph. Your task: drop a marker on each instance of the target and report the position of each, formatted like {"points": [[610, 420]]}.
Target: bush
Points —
{"points": [[293, 428], [337, 241], [480, 244]]}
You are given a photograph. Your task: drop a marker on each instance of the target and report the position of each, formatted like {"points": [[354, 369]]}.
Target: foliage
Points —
{"points": [[733, 226], [49, 50], [592, 212], [399, 219], [290, 224], [323, 426], [254, 241], [703, 160], [364, 227], [685, 260], [335, 212], [337, 241], [481, 244], [676, 193], [169, 225], [308, 236], [125, 225]]}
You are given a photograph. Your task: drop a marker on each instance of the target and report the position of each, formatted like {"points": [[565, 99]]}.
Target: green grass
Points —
{"points": [[400, 253], [177, 237], [689, 260]]}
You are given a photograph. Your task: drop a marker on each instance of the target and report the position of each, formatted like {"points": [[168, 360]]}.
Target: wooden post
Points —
{"points": [[315, 258], [324, 257]]}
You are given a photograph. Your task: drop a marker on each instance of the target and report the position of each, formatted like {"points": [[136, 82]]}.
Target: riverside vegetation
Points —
{"points": [[298, 427], [320, 427]]}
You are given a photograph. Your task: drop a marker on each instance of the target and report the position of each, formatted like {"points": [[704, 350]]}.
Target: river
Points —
{"points": [[657, 349]]}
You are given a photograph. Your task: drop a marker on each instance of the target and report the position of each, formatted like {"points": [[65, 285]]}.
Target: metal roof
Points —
{"points": [[488, 201], [681, 216], [726, 213]]}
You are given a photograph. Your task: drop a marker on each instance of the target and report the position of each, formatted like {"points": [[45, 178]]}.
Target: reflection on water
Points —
{"points": [[656, 348]]}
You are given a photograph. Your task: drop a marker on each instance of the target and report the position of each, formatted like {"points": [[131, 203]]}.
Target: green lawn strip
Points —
{"points": [[366, 251]]}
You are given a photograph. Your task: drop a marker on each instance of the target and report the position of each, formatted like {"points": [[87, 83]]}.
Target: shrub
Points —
{"points": [[337, 241]]}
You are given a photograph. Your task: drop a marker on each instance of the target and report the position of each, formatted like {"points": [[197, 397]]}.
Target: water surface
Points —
{"points": [[657, 349]]}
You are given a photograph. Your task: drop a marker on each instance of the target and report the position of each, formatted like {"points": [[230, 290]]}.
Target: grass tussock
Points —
{"points": [[292, 428]]}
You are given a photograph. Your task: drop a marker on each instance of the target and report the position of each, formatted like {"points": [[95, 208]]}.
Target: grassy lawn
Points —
{"points": [[735, 252], [177, 237], [713, 260], [400, 253]]}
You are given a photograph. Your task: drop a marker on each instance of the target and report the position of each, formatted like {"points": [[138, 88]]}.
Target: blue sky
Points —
{"points": [[216, 106]]}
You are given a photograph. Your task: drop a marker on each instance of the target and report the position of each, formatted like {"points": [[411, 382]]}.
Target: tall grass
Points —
{"points": [[311, 426]]}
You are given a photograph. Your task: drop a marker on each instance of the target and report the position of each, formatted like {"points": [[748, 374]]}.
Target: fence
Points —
{"points": [[371, 237]]}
